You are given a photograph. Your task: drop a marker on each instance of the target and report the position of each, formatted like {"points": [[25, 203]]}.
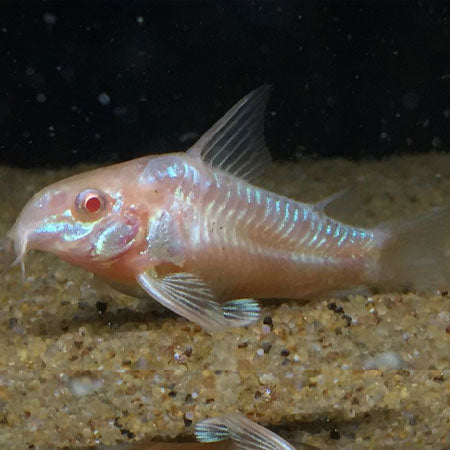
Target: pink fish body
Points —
{"points": [[191, 230]]}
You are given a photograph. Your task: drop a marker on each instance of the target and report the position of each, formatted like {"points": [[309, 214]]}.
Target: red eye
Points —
{"points": [[90, 201], [92, 204]]}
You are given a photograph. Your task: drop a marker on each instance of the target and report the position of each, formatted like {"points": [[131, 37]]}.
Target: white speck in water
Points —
{"points": [[104, 99], [436, 142], [49, 18], [447, 113], [140, 20], [188, 136], [384, 136], [41, 98]]}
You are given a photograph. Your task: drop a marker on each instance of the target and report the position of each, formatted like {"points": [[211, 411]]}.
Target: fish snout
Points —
{"points": [[20, 237]]}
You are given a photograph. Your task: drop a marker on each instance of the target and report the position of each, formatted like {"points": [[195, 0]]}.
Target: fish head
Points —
{"points": [[86, 220]]}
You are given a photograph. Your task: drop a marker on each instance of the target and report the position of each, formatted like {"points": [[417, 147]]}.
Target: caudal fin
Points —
{"points": [[416, 253]]}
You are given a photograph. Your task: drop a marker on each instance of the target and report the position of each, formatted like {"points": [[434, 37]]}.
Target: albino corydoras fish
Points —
{"points": [[195, 235]]}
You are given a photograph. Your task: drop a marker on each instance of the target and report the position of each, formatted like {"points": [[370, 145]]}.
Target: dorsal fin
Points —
{"points": [[235, 143]]}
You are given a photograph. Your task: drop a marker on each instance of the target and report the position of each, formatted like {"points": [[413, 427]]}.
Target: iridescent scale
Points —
{"points": [[271, 222]]}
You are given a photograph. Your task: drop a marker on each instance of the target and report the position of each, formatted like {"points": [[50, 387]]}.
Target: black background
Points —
{"points": [[356, 79]]}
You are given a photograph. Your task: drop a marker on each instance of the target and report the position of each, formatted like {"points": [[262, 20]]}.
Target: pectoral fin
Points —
{"points": [[244, 433], [249, 435], [211, 430], [192, 298]]}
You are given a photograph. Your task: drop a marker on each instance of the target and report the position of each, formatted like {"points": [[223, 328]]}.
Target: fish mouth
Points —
{"points": [[12, 255]]}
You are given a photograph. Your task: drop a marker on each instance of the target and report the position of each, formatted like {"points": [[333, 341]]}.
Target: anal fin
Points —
{"points": [[192, 298]]}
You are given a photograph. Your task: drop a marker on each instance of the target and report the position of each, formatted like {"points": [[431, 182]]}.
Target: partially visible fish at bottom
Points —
{"points": [[227, 432]]}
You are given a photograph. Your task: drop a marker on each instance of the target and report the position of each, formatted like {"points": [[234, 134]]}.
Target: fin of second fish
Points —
{"points": [[211, 430], [192, 298], [235, 144], [245, 433]]}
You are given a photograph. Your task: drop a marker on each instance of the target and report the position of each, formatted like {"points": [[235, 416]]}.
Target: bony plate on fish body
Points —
{"points": [[193, 232]]}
